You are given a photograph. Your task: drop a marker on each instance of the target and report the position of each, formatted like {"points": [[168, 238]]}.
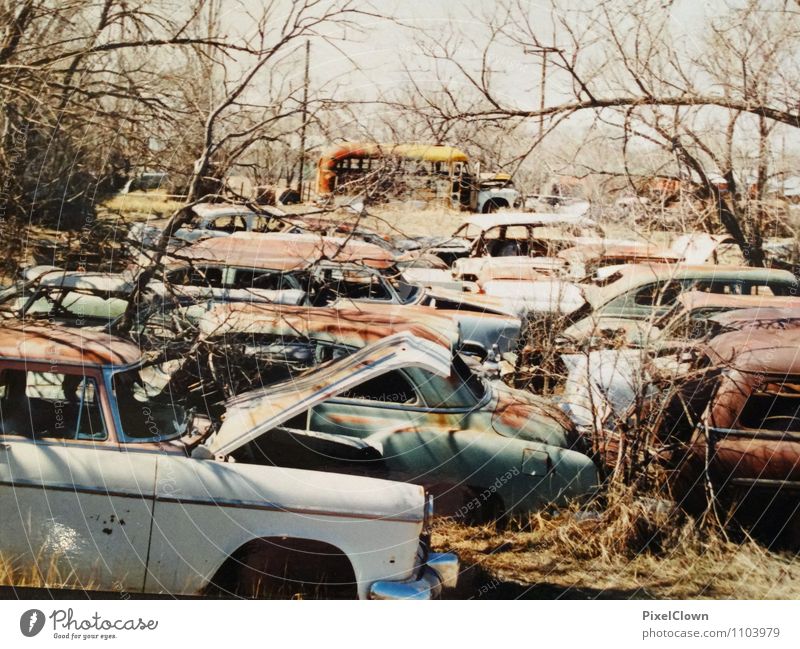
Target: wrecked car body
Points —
{"points": [[210, 353], [724, 416], [691, 318], [437, 425], [105, 486], [694, 248], [95, 299], [506, 234], [334, 272], [646, 291], [208, 220]]}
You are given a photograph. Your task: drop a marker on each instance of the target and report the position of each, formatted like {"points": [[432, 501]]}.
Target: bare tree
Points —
{"points": [[697, 93]]}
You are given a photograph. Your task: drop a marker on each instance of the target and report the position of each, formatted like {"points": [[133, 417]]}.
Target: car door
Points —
{"points": [[76, 508]]}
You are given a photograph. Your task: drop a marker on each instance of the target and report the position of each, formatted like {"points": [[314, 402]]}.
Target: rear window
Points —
{"points": [[775, 405]]}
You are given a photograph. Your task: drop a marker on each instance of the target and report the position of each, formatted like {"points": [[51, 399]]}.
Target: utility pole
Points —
{"points": [[544, 51], [303, 125]]}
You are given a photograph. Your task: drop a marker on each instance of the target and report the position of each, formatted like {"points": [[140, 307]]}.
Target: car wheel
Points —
{"points": [[493, 205]]}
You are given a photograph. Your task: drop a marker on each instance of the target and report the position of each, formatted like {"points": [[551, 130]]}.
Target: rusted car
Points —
{"points": [[334, 271], [95, 299], [504, 234], [207, 353], [483, 238], [106, 486], [694, 248], [208, 220], [723, 417], [482, 448], [691, 318], [642, 292], [737, 428]]}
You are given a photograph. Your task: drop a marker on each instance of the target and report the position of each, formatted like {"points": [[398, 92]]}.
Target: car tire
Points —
{"points": [[493, 205]]}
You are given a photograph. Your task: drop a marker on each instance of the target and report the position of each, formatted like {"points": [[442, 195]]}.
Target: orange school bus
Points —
{"points": [[431, 173]]}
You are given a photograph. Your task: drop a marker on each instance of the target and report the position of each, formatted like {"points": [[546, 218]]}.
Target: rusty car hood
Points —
{"points": [[250, 415]]}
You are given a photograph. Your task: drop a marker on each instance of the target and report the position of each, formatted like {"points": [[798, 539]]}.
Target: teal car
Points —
{"points": [[482, 448]]}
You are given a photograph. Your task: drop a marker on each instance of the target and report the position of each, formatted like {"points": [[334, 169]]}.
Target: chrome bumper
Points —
{"points": [[438, 572]]}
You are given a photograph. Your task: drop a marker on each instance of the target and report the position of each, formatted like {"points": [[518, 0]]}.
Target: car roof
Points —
{"points": [[691, 300], [766, 317], [645, 271], [65, 345], [353, 327], [495, 219], [764, 350], [284, 251], [104, 282], [634, 275], [219, 210]]}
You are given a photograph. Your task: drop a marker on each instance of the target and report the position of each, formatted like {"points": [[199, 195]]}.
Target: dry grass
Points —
{"points": [[141, 204], [630, 549], [47, 572], [414, 221]]}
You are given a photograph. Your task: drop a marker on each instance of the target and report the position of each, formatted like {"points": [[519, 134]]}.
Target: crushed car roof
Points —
{"points": [[65, 345], [282, 251]]}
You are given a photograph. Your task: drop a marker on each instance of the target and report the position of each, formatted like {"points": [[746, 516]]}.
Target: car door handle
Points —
{"points": [[4, 446]]}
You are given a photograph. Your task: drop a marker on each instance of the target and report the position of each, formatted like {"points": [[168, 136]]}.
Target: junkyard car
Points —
{"points": [[724, 417], [695, 248], [482, 447], [208, 220], [690, 318], [94, 299], [483, 238], [503, 234], [206, 353], [104, 486], [646, 291], [735, 426], [335, 272]]}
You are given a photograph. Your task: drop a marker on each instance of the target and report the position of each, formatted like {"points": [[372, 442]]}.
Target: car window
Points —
{"points": [[208, 276], [51, 405], [147, 415], [757, 289], [256, 278], [659, 294], [228, 224], [685, 326], [392, 387], [355, 284], [775, 405], [727, 287]]}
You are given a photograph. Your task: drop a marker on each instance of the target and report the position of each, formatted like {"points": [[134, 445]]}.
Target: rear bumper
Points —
{"points": [[440, 571]]}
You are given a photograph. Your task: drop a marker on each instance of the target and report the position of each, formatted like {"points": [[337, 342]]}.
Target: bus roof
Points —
{"points": [[428, 152]]}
